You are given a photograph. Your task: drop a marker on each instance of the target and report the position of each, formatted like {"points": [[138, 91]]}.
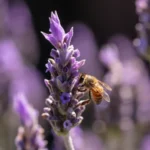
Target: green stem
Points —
{"points": [[68, 142]]}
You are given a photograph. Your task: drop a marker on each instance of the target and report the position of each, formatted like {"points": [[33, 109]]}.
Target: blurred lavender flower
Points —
{"points": [[30, 134], [128, 74], [29, 80], [86, 138], [145, 143], [142, 42], [88, 49], [123, 75], [7, 72], [63, 109], [16, 31], [109, 55], [22, 31]]}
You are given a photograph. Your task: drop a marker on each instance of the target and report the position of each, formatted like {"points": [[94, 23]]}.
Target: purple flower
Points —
{"points": [[65, 97], [145, 143], [30, 134], [54, 53], [67, 124], [26, 113], [61, 110], [58, 38], [76, 53], [142, 41]]}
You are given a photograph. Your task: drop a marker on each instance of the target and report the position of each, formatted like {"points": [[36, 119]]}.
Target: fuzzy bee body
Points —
{"points": [[96, 94], [95, 88]]}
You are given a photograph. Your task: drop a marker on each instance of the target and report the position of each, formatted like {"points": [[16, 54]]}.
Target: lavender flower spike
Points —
{"points": [[64, 109], [30, 134]]}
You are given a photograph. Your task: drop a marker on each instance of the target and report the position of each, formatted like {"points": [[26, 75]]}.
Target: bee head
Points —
{"points": [[81, 78]]}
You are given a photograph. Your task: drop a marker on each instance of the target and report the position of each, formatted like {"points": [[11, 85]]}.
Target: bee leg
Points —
{"points": [[82, 90], [90, 96], [83, 102]]}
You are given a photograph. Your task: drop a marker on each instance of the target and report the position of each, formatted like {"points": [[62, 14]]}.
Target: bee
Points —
{"points": [[95, 87]]}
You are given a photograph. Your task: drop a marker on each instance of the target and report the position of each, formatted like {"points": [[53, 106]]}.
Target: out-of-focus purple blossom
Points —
{"points": [[83, 139], [131, 81], [135, 77], [120, 58], [124, 73], [109, 55], [16, 33], [145, 143], [78, 136], [63, 109], [84, 39], [27, 114], [143, 100], [124, 45], [141, 5], [15, 75], [30, 133], [10, 54], [29, 81], [142, 42], [22, 31]]}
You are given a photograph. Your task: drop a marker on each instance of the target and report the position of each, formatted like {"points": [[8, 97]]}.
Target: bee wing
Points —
{"points": [[106, 97], [105, 85]]}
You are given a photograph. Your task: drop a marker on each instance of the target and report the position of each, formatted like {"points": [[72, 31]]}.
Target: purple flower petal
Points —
{"points": [[65, 56], [64, 46], [54, 17], [54, 42], [45, 35], [75, 80], [81, 63], [72, 61], [78, 120], [65, 97], [51, 39], [54, 53], [57, 30], [76, 53], [49, 67], [68, 37], [67, 124]]}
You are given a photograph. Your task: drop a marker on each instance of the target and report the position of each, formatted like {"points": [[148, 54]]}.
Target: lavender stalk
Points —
{"points": [[64, 107], [30, 133], [142, 42], [68, 142]]}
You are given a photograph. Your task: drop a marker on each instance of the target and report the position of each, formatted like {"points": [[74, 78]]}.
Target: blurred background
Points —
{"points": [[112, 35]]}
